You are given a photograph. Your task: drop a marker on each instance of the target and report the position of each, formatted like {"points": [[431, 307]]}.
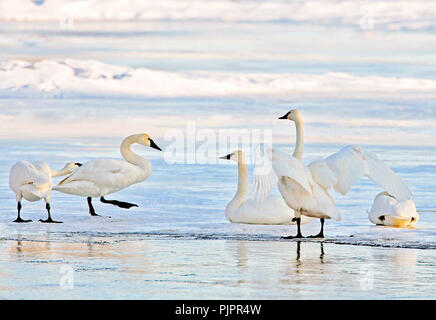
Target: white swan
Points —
{"points": [[305, 188], [272, 210], [34, 181], [388, 211], [102, 177]]}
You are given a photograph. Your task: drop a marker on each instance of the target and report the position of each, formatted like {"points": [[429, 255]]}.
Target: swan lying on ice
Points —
{"points": [[388, 211], [33, 181], [272, 210], [305, 188], [99, 178]]}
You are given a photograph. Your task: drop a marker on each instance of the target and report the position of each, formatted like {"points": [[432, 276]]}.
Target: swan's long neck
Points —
{"points": [[62, 172], [243, 185], [299, 146], [132, 157]]}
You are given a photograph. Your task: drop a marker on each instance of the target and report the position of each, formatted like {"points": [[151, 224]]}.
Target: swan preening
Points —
{"points": [[99, 178], [305, 188], [33, 181], [388, 211], [272, 210]]}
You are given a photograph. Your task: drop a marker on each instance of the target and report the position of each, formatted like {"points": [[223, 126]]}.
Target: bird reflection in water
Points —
{"points": [[321, 256]]}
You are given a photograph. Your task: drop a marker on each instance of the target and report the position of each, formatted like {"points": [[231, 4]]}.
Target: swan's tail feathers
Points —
{"points": [[32, 192], [265, 179]]}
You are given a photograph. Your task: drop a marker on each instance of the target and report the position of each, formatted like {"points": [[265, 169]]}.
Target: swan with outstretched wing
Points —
{"points": [[306, 188]]}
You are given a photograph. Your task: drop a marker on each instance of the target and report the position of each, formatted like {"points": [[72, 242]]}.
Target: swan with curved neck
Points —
{"points": [[34, 181], [99, 178], [272, 210], [296, 117], [305, 188]]}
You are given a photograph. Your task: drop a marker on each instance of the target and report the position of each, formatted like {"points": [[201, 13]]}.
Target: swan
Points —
{"points": [[272, 210], [99, 178], [33, 181], [305, 188], [388, 211]]}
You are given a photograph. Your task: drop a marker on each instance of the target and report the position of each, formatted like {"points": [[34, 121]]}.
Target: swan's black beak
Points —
{"points": [[227, 157], [78, 164], [154, 145], [284, 117]]}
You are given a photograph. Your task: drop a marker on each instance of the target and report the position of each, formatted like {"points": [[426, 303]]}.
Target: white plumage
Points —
{"points": [[301, 188], [105, 176], [271, 210], [388, 211], [33, 181], [351, 163], [305, 188]]}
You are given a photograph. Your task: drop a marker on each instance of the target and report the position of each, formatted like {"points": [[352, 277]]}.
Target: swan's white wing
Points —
{"points": [[322, 174], [287, 166], [264, 179], [108, 174], [348, 165], [351, 163], [382, 175]]}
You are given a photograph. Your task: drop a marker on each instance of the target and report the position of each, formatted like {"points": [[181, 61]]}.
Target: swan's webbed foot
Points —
{"points": [[49, 220], [298, 236], [121, 204], [318, 236], [19, 220]]}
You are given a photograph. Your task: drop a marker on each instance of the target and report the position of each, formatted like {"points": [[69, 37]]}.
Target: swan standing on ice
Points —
{"points": [[272, 210], [305, 188], [34, 181], [388, 211], [102, 177]]}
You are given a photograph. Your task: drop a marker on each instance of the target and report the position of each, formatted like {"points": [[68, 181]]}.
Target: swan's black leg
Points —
{"points": [[299, 235], [321, 233], [49, 219], [19, 217], [124, 205], [91, 208]]}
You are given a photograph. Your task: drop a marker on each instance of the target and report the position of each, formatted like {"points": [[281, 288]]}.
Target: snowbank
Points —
{"points": [[91, 78]]}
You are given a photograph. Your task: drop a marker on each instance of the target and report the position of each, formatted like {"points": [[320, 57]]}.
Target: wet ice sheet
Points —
{"points": [[188, 200], [138, 268]]}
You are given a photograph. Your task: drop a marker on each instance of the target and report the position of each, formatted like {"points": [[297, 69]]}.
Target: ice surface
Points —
{"points": [[170, 207], [178, 244]]}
